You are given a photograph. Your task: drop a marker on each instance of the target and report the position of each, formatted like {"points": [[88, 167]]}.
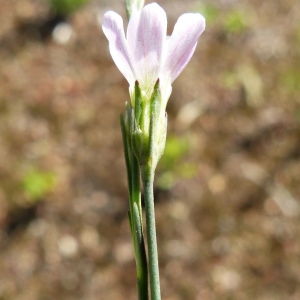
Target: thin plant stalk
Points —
{"points": [[147, 172], [148, 179]]}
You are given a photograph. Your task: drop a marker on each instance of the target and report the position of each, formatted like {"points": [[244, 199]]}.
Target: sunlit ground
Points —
{"points": [[227, 188]]}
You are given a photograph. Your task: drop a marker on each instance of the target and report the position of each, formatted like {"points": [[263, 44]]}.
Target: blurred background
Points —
{"points": [[227, 188]]}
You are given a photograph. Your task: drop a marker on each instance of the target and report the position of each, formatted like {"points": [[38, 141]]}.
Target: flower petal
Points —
{"points": [[146, 34], [182, 44], [113, 29]]}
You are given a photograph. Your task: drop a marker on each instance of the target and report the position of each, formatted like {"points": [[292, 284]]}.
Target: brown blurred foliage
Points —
{"points": [[228, 186]]}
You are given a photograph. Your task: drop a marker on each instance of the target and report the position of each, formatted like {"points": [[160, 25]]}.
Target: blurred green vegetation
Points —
{"points": [[66, 7], [291, 80], [298, 115], [175, 148], [172, 165], [36, 184], [232, 21], [210, 12], [229, 79], [235, 22], [298, 35]]}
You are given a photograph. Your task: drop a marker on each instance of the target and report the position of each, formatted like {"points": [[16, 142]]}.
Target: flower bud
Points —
{"points": [[148, 126]]}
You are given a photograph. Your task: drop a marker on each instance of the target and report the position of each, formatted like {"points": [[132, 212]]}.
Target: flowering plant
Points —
{"points": [[150, 61]]}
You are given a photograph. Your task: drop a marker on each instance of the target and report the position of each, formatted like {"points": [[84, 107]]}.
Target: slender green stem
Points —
{"points": [[148, 179]]}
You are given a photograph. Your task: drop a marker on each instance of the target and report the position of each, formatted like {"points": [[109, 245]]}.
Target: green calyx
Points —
{"points": [[133, 4], [148, 126]]}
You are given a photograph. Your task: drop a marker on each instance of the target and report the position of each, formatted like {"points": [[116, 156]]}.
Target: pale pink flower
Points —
{"points": [[146, 53]]}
